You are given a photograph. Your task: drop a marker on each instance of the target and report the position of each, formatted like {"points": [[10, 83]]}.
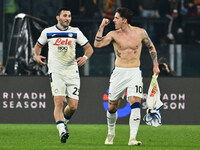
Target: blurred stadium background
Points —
{"points": [[24, 86]]}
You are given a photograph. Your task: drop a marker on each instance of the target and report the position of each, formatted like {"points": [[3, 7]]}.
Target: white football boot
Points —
{"points": [[109, 139], [134, 142]]}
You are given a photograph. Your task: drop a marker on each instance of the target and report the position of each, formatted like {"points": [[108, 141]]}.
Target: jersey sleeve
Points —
{"points": [[43, 38], [81, 39]]}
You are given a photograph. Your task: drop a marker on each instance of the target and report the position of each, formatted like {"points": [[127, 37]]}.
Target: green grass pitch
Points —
{"points": [[83, 137]]}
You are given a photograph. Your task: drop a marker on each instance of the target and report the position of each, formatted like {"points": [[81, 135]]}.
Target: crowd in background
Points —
{"points": [[106, 8], [166, 21], [172, 10]]}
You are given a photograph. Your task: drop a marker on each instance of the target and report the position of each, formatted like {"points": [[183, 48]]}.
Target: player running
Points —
{"points": [[63, 67]]}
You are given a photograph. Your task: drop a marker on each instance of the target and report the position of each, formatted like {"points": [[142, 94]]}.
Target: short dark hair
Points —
{"points": [[61, 9], [125, 13]]}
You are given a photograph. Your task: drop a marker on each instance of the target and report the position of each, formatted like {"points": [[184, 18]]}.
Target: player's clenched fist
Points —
{"points": [[105, 22]]}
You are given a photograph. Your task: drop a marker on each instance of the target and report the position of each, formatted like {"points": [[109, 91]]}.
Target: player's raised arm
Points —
{"points": [[101, 41], [152, 51]]}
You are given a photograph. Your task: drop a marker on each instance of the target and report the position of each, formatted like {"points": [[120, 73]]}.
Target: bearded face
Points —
{"points": [[64, 19]]}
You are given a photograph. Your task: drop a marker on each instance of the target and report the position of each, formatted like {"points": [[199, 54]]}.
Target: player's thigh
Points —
{"points": [[73, 88], [58, 87], [117, 86], [135, 88]]}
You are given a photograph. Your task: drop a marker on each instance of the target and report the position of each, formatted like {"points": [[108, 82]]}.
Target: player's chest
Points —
{"points": [[62, 46], [126, 42], [62, 41]]}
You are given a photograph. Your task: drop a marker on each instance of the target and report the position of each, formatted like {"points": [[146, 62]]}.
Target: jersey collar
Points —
{"points": [[61, 29]]}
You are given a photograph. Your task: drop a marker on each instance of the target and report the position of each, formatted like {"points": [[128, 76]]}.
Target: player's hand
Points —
{"points": [[39, 58], [81, 61], [104, 22], [156, 70]]}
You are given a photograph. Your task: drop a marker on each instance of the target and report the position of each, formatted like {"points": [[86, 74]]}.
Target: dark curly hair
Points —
{"points": [[125, 13]]}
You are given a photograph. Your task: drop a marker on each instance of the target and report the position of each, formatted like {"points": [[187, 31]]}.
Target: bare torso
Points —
{"points": [[127, 47]]}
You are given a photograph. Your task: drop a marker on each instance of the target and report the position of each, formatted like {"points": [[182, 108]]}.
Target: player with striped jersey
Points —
{"points": [[63, 66]]}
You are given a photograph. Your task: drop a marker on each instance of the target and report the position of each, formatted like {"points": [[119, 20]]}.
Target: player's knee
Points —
{"points": [[58, 103], [133, 99], [113, 105], [112, 109]]}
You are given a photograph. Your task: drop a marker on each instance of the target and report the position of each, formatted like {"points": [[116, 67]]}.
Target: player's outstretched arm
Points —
{"points": [[152, 51], [101, 41], [37, 56]]}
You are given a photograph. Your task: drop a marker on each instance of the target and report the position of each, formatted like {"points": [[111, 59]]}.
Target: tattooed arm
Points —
{"points": [[102, 41], [152, 51]]}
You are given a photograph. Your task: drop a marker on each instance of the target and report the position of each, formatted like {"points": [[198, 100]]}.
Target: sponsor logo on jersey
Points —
{"points": [[153, 92], [53, 35], [70, 35], [62, 48], [59, 41]]}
